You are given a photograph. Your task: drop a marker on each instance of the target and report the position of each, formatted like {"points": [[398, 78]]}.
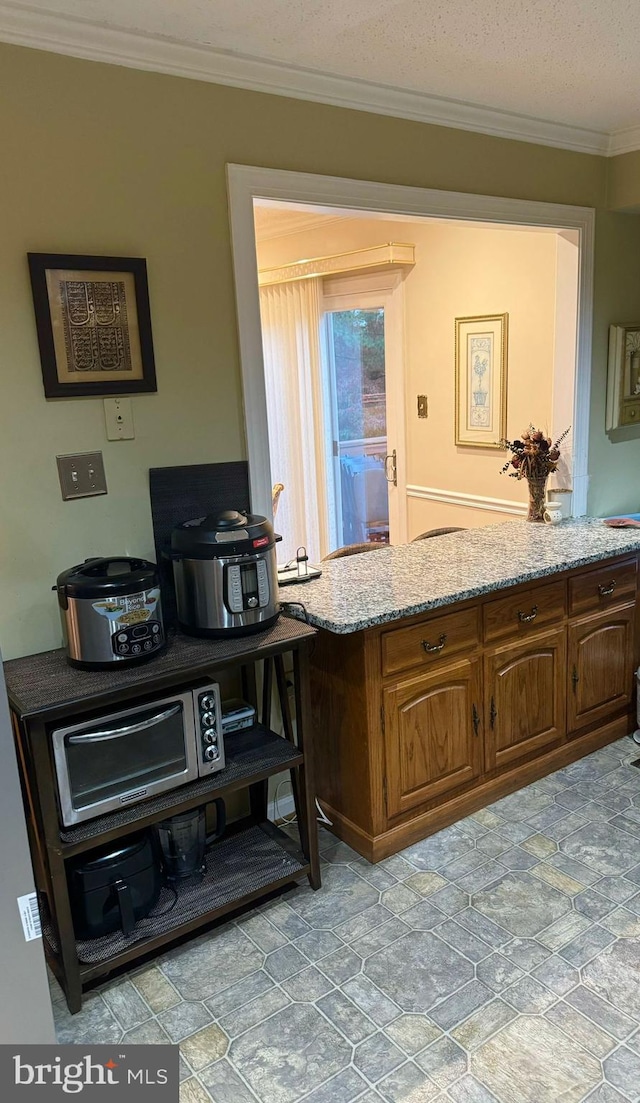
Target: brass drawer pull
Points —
{"points": [[606, 591], [431, 647], [524, 618]]}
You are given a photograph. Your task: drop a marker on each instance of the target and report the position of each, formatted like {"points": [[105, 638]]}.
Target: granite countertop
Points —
{"points": [[360, 591]]}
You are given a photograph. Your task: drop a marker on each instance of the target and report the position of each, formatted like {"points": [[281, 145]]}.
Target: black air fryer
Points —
{"points": [[115, 887]]}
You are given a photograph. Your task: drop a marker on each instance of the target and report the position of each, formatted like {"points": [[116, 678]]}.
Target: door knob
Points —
{"points": [[391, 467]]}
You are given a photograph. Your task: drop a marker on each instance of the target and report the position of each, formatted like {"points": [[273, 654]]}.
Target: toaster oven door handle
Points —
{"points": [[117, 733]]}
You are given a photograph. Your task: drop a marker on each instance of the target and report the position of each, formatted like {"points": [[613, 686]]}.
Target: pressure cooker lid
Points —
{"points": [[117, 575], [230, 532]]}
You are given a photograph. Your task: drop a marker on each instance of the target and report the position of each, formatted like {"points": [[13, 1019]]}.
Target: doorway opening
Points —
{"points": [[348, 436]]}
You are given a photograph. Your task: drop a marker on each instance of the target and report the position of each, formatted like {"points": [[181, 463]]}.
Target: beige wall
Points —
{"points": [[102, 159], [459, 271]]}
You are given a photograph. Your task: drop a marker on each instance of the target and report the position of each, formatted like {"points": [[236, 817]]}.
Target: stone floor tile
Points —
{"points": [[450, 900], [464, 865], [204, 1047], [155, 989], [379, 937], [529, 996], [284, 962], [147, 1034], [200, 969], [594, 812], [521, 904], [361, 924], [564, 930], [591, 768], [615, 976], [184, 1072], [622, 1069], [444, 1061], [398, 866], [346, 1016], [633, 904], [473, 829], [606, 1094], [423, 916], [622, 923], [521, 805], [486, 818], [343, 895], [307, 986], [236, 1022], [482, 1024], [418, 970], [617, 888], [377, 876], [481, 877], [408, 1082], [340, 854], [586, 945], [563, 828], [438, 851], [425, 883], [541, 846], [492, 845], [285, 919], [483, 928], [342, 1088], [192, 1091], [461, 939], [262, 932], [317, 944], [290, 1054], [570, 799], [470, 1090], [461, 1004], [602, 847], [124, 1002], [627, 822], [340, 965], [184, 1019], [547, 817], [578, 871], [517, 858], [93, 1025], [593, 904], [498, 973], [525, 952], [634, 875], [532, 1061], [580, 1028], [515, 832], [557, 974], [377, 1056], [552, 876], [224, 1085], [412, 1033], [600, 1011], [238, 994], [380, 1009], [399, 898]]}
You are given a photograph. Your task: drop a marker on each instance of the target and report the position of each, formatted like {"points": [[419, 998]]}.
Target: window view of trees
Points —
{"points": [[358, 348]]}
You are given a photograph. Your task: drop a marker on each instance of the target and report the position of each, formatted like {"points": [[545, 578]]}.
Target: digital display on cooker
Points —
{"points": [[249, 579]]}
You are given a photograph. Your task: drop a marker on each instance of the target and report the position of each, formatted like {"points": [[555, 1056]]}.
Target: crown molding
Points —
{"points": [[624, 141], [95, 42]]}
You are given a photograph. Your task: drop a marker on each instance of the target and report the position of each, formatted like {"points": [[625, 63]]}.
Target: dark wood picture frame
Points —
{"points": [[64, 340]]}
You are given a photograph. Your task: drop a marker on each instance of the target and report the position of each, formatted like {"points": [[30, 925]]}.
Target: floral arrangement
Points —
{"points": [[533, 457]]}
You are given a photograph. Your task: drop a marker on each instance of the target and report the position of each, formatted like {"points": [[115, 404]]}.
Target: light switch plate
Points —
{"points": [[81, 475], [423, 406], [118, 416]]}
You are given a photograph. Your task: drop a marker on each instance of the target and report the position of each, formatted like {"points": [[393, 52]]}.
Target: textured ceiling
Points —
{"points": [[568, 61]]}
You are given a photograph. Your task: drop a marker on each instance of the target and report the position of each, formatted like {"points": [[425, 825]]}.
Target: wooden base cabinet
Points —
{"points": [[421, 722]]}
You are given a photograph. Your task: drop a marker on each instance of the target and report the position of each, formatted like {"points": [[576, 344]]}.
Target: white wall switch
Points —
{"points": [[119, 418]]}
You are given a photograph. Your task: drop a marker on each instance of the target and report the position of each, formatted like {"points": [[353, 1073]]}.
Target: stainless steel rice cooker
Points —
{"points": [[111, 612], [224, 567]]}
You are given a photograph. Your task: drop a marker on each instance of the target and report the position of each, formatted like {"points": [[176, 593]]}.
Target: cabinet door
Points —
{"points": [[600, 666], [524, 697], [433, 741]]}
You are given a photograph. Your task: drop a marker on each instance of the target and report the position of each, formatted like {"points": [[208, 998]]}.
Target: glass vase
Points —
{"points": [[537, 496]]}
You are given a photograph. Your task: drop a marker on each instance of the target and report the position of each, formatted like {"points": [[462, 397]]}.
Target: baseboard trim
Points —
{"points": [[467, 501], [375, 848]]}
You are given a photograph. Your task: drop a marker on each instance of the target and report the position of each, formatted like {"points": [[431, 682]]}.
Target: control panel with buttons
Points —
{"points": [[209, 725], [247, 585], [138, 639]]}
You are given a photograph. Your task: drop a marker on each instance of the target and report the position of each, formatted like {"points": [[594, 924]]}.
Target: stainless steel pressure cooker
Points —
{"points": [[224, 567], [111, 612]]}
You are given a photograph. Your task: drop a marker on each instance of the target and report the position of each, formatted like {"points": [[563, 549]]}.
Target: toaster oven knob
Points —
{"points": [[207, 702], [209, 735], [211, 753], [209, 719]]}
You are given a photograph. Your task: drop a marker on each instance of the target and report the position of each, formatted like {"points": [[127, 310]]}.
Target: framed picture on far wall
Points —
{"points": [[481, 380], [94, 325]]}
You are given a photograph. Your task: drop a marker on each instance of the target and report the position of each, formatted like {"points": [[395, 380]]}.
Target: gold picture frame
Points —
{"points": [[623, 377], [481, 344]]}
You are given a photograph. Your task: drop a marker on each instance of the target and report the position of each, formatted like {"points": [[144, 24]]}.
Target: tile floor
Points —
{"points": [[496, 962]]}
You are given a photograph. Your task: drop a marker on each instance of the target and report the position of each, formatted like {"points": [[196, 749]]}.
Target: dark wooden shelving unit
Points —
{"points": [[252, 859]]}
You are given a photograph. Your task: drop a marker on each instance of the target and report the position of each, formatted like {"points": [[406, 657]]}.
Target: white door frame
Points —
{"points": [[248, 182]]}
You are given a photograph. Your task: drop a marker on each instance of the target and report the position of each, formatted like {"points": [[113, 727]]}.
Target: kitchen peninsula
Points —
{"points": [[451, 671]]}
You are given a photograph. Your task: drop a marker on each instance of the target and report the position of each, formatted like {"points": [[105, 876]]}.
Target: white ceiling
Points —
{"points": [[562, 72]]}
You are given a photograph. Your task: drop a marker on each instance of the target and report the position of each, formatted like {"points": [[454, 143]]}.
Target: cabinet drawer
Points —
{"points": [[422, 644], [593, 590], [518, 614]]}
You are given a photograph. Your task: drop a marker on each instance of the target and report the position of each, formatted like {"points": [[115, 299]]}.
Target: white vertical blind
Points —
{"points": [[291, 320]]}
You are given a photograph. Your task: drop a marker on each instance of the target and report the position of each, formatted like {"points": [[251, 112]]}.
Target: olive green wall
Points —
{"points": [[623, 182], [107, 160]]}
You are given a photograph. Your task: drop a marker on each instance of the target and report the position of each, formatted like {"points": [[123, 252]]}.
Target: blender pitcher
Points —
{"points": [[183, 841]]}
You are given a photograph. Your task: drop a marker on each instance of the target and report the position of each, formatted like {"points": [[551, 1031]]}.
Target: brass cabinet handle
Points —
{"points": [[476, 719], [524, 618], [493, 712], [431, 647], [606, 591], [575, 678]]}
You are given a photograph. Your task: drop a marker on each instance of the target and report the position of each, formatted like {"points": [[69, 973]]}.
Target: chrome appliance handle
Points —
{"points": [[117, 733]]}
